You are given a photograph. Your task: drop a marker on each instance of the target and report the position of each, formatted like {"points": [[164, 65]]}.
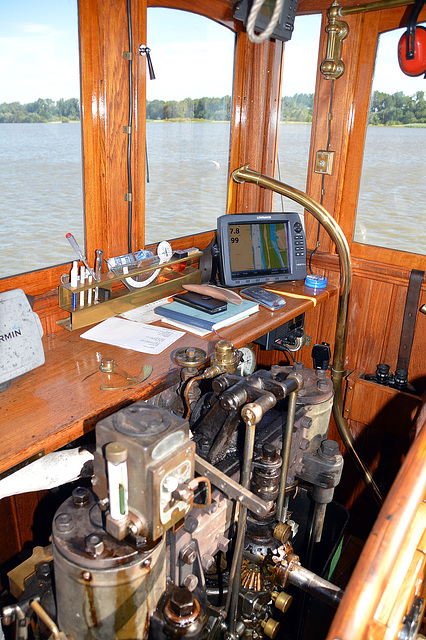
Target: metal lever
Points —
{"points": [[109, 366], [231, 488]]}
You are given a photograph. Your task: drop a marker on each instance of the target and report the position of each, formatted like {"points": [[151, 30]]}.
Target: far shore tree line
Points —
{"points": [[385, 109]]}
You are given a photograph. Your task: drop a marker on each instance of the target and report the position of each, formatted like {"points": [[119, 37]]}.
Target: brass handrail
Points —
{"points": [[244, 174], [374, 6], [333, 67]]}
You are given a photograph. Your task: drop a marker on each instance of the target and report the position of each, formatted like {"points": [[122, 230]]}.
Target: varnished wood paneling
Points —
{"points": [[105, 111], [376, 309], [333, 108], [255, 119], [350, 107]]}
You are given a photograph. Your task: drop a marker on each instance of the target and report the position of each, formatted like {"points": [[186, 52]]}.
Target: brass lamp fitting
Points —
{"points": [[333, 66]]}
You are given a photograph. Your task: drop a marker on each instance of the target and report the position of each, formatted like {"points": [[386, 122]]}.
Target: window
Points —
{"points": [[393, 181], [300, 65], [40, 138], [188, 123]]}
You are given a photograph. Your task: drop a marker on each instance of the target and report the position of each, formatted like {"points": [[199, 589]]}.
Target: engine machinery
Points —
{"points": [[191, 527]]}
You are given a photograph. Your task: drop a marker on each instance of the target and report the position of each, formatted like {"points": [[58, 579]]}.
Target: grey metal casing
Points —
{"points": [[158, 446], [21, 348]]}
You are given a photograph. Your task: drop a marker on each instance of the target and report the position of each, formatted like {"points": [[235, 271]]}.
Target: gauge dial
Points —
{"points": [[248, 363], [164, 251]]}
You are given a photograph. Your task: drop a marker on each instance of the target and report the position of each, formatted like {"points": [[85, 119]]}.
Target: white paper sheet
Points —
{"points": [[146, 312], [133, 335]]}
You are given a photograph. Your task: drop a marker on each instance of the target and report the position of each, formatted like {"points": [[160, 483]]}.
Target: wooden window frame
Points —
{"points": [[104, 112], [350, 110]]}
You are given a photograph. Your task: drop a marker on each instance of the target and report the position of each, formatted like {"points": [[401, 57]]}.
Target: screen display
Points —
{"points": [[267, 9], [259, 247]]}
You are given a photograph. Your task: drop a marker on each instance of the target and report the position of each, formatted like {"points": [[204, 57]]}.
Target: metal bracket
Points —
{"points": [[109, 366], [24, 463]]}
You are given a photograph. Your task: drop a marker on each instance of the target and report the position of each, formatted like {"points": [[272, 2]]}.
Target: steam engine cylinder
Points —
{"points": [[104, 587]]}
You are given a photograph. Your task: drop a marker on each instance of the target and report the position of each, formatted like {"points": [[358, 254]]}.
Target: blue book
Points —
{"points": [[196, 318]]}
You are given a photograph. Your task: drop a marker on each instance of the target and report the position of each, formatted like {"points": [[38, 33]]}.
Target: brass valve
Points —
{"points": [[225, 356]]}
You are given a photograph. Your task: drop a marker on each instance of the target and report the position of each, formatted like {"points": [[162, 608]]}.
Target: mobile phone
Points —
{"points": [[201, 302]]}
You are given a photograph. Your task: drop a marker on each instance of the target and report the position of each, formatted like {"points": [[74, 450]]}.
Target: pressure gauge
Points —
{"points": [[164, 251], [248, 363]]}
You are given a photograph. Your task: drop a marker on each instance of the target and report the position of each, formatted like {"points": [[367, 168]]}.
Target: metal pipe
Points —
{"points": [[318, 523], [244, 174], [285, 455], [235, 571], [46, 619], [314, 585]]}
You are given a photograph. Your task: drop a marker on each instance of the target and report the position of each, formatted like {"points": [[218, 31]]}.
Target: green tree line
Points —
{"points": [[191, 109], [397, 108], [385, 109], [42, 110]]}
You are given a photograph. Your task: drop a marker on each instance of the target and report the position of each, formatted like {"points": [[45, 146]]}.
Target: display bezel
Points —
{"points": [[296, 268]]}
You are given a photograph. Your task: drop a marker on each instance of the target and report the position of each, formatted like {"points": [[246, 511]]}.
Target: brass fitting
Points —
{"points": [[333, 66], [282, 600], [225, 356], [270, 628]]}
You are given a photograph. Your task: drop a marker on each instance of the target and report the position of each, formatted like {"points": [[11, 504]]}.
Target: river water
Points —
{"points": [[41, 186]]}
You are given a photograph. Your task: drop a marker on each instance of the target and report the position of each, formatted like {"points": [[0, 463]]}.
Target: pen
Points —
{"points": [[89, 291], [79, 253], [98, 269], [82, 280], [98, 265], [73, 282]]}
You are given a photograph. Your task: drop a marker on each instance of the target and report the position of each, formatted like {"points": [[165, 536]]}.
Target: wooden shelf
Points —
{"points": [[60, 401]]}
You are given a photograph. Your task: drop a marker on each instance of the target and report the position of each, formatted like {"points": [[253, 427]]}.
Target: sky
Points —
{"points": [[38, 50], [192, 56]]}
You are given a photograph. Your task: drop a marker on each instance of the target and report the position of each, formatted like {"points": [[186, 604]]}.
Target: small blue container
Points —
{"points": [[316, 283]]}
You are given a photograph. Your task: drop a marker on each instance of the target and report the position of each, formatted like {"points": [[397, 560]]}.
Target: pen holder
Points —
{"points": [[111, 301]]}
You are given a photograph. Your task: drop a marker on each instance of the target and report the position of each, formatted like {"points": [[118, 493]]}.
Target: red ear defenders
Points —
{"points": [[412, 45]]}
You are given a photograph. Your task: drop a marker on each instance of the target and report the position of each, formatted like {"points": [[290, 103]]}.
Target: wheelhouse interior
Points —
{"points": [[381, 420]]}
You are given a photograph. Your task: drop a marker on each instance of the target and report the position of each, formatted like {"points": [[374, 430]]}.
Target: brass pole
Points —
{"points": [[235, 572], [374, 6], [244, 174], [285, 455]]}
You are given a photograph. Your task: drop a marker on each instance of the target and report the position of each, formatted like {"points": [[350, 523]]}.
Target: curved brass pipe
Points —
{"points": [[244, 174]]}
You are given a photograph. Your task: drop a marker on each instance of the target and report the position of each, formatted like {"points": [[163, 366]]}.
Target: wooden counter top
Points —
{"points": [[60, 401]]}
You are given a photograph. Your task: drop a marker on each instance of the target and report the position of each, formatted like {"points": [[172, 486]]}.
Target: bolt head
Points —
{"points": [[43, 570], [189, 556], [80, 496], [94, 545], [64, 522], [269, 451], [191, 524], [304, 444], [329, 448], [322, 385], [181, 601], [190, 582]]}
